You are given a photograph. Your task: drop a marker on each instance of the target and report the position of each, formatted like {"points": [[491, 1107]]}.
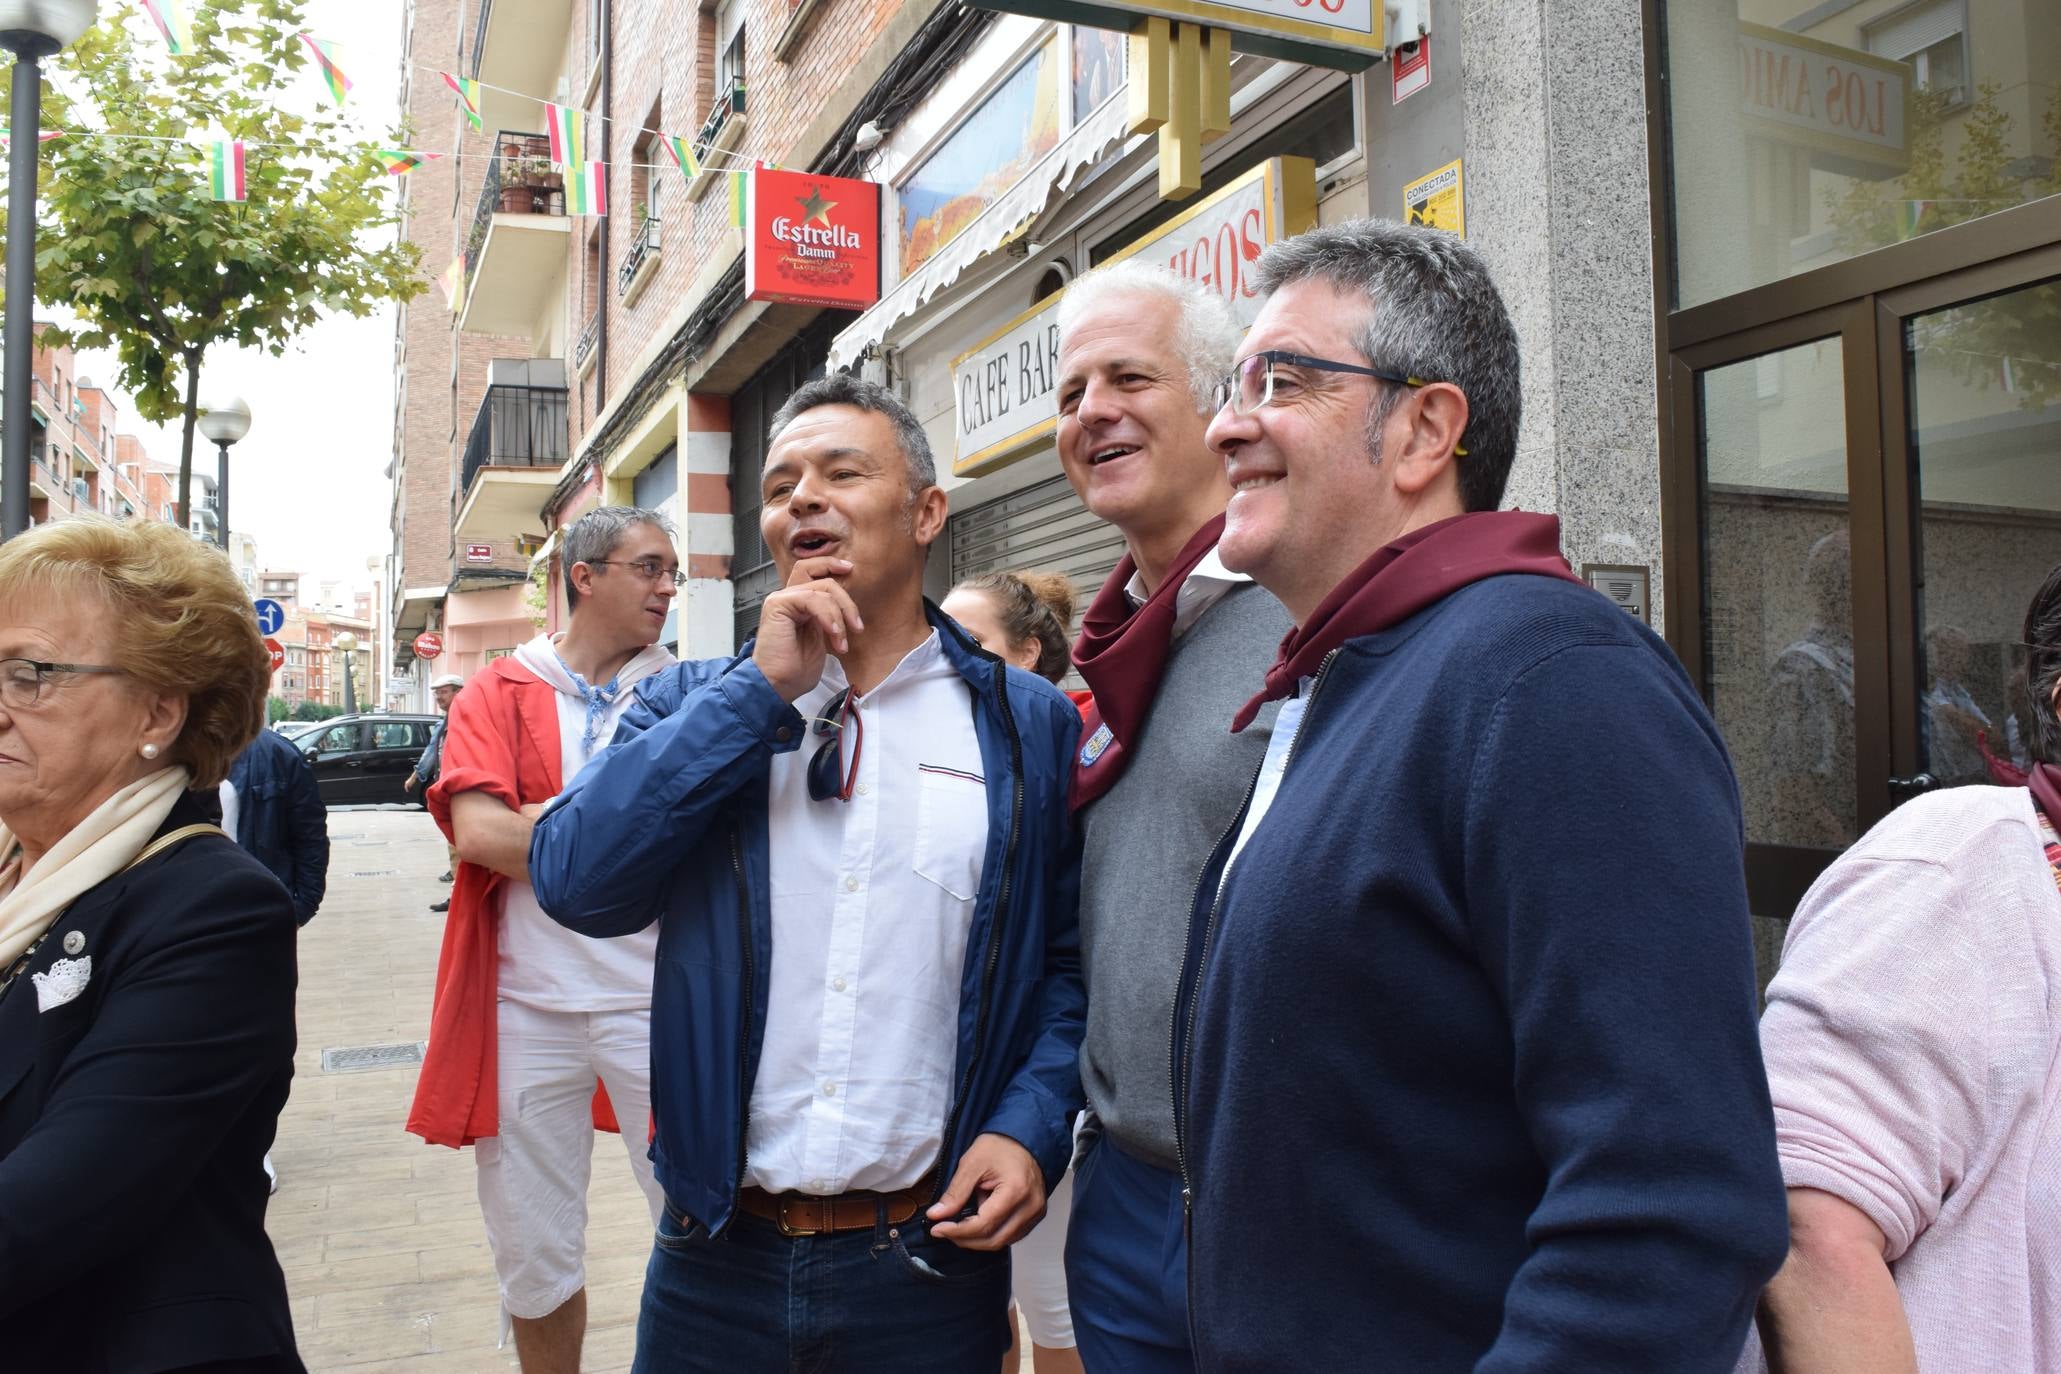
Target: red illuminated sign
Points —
{"points": [[811, 240], [429, 645]]}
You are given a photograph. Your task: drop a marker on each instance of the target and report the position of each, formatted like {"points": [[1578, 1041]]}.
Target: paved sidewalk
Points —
{"points": [[386, 1260]]}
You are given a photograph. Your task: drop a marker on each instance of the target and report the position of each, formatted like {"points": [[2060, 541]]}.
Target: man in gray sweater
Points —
{"points": [[1172, 646]]}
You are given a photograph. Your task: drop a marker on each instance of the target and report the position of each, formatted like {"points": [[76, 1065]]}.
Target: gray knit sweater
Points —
{"points": [[1144, 844]]}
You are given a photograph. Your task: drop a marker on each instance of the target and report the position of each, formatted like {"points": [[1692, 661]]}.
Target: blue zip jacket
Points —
{"points": [[670, 825], [1487, 963], [280, 818]]}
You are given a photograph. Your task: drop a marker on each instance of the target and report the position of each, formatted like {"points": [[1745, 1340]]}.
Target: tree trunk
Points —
{"points": [[192, 360]]}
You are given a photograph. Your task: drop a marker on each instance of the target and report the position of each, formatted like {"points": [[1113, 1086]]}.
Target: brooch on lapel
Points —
{"points": [[64, 981], [1097, 742]]}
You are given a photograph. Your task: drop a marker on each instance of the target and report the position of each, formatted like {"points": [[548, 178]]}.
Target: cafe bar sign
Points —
{"points": [[1006, 387], [811, 240]]}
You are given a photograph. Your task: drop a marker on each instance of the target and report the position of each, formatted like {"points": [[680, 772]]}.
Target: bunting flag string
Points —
{"points": [[325, 57], [468, 97], [42, 136], [225, 170], [567, 128], [401, 161], [737, 199], [682, 152], [586, 189], [173, 22]]}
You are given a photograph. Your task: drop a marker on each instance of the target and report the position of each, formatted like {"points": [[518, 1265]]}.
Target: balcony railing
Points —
{"points": [[727, 104], [642, 249], [517, 427], [590, 336], [520, 180]]}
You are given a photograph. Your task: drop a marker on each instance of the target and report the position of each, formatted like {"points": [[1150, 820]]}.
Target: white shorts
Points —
{"points": [[1038, 1272], [533, 1175]]}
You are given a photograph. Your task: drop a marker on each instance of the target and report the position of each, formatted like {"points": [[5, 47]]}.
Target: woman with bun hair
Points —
{"points": [[1023, 618], [1026, 619]]}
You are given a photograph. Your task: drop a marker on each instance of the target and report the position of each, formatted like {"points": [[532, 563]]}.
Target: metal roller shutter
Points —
{"points": [[1041, 528]]}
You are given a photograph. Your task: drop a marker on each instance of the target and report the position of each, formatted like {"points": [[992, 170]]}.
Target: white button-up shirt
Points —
{"points": [[1209, 583], [872, 900]]}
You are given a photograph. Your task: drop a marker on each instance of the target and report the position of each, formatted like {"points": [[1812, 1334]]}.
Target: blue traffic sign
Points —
{"points": [[271, 616]]}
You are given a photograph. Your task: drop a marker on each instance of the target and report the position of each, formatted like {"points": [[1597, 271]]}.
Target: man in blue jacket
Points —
{"points": [[1466, 1068], [867, 1007], [272, 807]]}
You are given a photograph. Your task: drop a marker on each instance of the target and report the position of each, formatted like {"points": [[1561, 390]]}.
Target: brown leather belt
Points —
{"points": [[800, 1214]]}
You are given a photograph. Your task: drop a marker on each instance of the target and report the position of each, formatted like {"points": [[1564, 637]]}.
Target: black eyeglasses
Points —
{"points": [[1262, 378], [650, 569], [827, 775], [22, 680]]}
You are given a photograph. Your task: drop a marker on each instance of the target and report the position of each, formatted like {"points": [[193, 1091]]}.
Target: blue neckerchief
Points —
{"points": [[598, 700]]}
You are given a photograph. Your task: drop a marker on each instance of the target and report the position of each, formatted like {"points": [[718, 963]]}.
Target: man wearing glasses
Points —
{"points": [[538, 1037], [1465, 1065], [853, 842], [1171, 648]]}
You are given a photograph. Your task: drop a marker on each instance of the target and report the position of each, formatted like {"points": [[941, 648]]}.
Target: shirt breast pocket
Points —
{"points": [[951, 829]]}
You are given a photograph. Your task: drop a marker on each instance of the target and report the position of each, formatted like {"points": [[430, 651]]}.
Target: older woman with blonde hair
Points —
{"points": [[146, 964]]}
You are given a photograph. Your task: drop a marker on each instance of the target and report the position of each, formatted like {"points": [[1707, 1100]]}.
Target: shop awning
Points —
{"points": [[1033, 193]]}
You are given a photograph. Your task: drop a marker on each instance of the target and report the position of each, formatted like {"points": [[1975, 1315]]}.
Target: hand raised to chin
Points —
{"points": [[804, 623]]}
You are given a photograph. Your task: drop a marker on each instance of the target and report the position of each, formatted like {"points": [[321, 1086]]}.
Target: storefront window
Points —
{"points": [[1805, 133]]}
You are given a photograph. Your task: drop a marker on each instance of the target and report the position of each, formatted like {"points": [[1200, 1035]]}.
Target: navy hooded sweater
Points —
{"points": [[1471, 1074]]}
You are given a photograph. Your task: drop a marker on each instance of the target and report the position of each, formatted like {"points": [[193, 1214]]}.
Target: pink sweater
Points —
{"points": [[1911, 1040]]}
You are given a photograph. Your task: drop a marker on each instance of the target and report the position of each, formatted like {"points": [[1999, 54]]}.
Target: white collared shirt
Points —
{"points": [[872, 900], [1208, 584]]}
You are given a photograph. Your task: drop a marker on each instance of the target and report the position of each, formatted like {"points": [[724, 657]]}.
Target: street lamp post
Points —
{"points": [[31, 30], [348, 643], [223, 423]]}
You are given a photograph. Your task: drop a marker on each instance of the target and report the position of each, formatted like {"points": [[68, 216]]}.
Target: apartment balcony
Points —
{"points": [[640, 264], [586, 350], [518, 443], [518, 46], [720, 132], [520, 235]]}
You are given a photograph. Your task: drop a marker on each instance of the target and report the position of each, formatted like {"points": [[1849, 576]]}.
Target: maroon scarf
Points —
{"points": [[1424, 566], [1122, 652], [2045, 783]]}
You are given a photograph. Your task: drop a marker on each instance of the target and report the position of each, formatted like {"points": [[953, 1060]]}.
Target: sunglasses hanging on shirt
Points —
{"points": [[828, 776]]}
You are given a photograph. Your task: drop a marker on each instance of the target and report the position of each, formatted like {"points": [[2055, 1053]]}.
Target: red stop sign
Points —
{"points": [[429, 645], [277, 653]]}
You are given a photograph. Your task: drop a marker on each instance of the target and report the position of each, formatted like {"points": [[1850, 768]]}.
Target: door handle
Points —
{"points": [[1902, 790]]}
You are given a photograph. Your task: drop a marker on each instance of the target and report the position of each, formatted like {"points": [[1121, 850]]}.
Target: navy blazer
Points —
{"points": [[134, 1120]]}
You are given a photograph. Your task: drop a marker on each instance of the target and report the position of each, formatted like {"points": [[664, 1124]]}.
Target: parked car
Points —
{"points": [[294, 729], [364, 759]]}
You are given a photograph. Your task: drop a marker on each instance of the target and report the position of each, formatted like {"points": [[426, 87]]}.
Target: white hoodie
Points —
{"points": [[542, 964]]}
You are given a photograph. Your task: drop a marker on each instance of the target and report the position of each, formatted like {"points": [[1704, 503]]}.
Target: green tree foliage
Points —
{"points": [[147, 262], [2014, 332]]}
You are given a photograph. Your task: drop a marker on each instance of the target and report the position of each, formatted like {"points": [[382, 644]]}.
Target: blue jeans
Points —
{"points": [[1127, 1265], [752, 1301]]}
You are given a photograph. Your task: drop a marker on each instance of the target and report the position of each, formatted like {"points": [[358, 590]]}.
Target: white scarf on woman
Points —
{"points": [[90, 853]]}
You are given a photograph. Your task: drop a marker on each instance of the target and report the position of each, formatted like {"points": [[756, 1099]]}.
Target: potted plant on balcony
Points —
{"points": [[516, 198]]}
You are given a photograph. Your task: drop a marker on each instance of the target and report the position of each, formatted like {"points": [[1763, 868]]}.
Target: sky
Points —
{"points": [[308, 482]]}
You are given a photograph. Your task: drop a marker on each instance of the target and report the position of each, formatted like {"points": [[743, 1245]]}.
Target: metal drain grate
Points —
{"points": [[359, 1058]]}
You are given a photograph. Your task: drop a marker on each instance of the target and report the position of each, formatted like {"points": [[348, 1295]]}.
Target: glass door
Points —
{"points": [[1974, 384], [1786, 633]]}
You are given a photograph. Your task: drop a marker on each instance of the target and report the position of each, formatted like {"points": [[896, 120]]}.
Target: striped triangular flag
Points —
{"points": [[682, 151], [325, 58], [401, 161], [737, 199], [586, 189], [42, 136], [468, 97], [172, 21], [225, 170], [451, 281], [567, 127]]}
